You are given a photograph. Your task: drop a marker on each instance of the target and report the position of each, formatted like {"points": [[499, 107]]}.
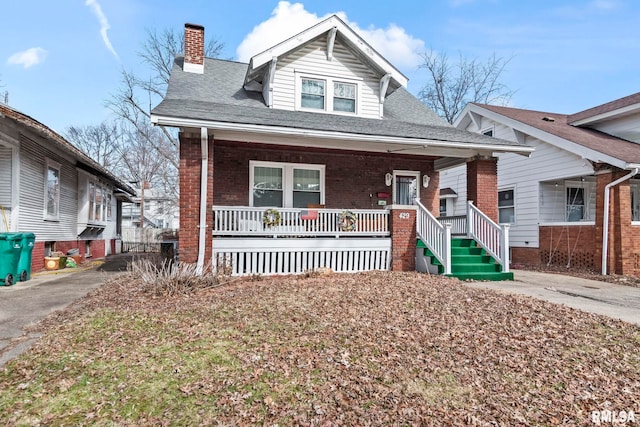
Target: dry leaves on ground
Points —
{"points": [[361, 349]]}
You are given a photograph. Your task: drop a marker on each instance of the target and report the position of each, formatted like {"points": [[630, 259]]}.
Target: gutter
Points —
{"points": [[204, 147], [343, 136], [605, 231]]}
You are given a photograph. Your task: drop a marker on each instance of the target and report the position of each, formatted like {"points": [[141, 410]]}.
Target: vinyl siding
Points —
{"points": [[533, 201], [627, 127], [32, 190], [312, 60], [6, 179]]}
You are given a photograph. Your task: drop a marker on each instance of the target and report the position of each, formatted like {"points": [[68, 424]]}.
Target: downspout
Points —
{"points": [[204, 147], [605, 229]]}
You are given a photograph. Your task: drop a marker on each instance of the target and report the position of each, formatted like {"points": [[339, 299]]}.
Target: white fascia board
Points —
{"points": [[311, 133], [322, 27], [620, 112], [564, 144]]}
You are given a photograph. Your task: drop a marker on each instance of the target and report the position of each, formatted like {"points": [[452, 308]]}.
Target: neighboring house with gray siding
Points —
{"points": [[555, 199], [50, 188]]}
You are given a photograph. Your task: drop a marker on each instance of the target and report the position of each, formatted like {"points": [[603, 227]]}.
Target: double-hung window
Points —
{"points": [[506, 207], [327, 95], [286, 185], [52, 190], [575, 204], [99, 202]]}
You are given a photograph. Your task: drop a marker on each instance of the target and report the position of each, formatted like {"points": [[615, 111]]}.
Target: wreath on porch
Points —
{"points": [[271, 217], [347, 221]]}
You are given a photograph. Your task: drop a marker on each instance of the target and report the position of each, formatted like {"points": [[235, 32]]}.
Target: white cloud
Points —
{"points": [[289, 19], [29, 57], [104, 24]]}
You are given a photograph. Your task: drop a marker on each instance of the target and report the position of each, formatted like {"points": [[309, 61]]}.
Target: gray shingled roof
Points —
{"points": [[218, 96]]}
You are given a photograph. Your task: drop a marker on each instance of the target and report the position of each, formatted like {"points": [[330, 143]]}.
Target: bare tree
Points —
{"points": [[103, 143], [4, 96], [451, 86]]}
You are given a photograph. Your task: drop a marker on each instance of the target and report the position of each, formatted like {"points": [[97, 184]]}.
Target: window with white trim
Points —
{"points": [[52, 190], [635, 201], [327, 94], [286, 185], [506, 207]]}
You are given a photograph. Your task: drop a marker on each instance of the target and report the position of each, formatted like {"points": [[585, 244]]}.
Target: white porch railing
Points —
{"points": [[491, 236], [435, 235], [248, 221], [458, 224]]}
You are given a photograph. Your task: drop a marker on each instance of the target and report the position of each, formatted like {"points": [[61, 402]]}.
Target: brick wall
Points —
{"points": [[482, 185], [350, 178], [97, 248], [568, 245], [402, 224], [524, 256], [190, 164]]}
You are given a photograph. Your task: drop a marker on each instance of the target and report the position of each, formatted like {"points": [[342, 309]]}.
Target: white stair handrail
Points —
{"points": [[436, 236], [491, 236]]}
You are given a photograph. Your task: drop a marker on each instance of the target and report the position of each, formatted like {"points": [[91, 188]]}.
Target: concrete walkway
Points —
{"points": [[26, 303], [617, 301]]}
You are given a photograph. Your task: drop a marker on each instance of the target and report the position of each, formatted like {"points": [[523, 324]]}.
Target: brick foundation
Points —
{"points": [[572, 245], [97, 249], [524, 256], [402, 224]]}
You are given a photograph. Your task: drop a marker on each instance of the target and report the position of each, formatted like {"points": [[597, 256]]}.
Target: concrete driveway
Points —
{"points": [[26, 303], [617, 301]]}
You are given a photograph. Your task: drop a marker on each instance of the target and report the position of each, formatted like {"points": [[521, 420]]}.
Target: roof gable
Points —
{"points": [[617, 108], [331, 28], [556, 130]]}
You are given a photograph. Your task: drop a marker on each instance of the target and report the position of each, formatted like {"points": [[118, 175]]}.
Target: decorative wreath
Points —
{"points": [[271, 217], [347, 221]]}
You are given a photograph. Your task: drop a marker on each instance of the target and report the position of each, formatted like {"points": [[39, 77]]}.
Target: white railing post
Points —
{"points": [[447, 249], [505, 248], [470, 230]]}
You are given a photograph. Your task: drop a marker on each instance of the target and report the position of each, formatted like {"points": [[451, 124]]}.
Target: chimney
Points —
{"points": [[193, 48]]}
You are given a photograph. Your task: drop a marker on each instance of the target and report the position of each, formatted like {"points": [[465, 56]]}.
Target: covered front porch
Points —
{"points": [[287, 206]]}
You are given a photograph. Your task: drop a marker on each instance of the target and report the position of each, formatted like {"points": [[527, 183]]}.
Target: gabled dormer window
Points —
{"points": [[327, 94]]}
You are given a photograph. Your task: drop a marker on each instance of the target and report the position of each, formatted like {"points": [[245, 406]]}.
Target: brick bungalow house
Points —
{"points": [[576, 200], [312, 155]]}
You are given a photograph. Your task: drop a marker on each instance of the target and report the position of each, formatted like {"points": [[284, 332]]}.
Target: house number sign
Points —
{"points": [[403, 215]]}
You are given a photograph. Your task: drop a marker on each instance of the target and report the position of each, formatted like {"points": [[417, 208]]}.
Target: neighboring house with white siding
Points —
{"points": [[554, 200], [50, 188], [315, 138]]}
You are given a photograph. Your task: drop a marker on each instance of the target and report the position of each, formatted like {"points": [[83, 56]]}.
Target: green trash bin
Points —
{"points": [[10, 247], [26, 254]]}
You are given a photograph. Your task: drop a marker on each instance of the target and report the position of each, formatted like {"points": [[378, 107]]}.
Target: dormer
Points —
{"points": [[327, 68]]}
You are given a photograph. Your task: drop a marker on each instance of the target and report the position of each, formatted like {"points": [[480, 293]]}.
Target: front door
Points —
{"points": [[405, 188]]}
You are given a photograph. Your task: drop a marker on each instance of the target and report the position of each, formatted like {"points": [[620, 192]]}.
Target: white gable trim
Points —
{"points": [[619, 112], [327, 26], [593, 155]]}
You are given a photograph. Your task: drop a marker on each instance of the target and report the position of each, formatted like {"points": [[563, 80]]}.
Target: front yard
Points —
{"points": [[360, 349]]}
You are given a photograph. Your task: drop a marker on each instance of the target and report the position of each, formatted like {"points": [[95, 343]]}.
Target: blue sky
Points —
{"points": [[61, 60]]}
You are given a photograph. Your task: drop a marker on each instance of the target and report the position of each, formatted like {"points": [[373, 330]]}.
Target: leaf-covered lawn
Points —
{"points": [[363, 349]]}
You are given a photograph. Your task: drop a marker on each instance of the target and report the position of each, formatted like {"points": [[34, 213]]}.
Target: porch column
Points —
{"points": [[190, 165], [482, 185], [402, 225], [620, 256]]}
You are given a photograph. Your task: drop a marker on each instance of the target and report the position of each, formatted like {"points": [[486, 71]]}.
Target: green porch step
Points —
{"points": [[469, 261]]}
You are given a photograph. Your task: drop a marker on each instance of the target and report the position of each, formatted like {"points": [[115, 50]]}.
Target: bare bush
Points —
{"points": [[167, 278]]}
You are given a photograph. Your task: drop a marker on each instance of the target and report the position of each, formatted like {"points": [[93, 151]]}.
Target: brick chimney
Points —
{"points": [[193, 48]]}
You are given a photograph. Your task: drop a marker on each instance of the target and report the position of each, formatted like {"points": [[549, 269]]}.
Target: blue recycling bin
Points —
{"points": [[26, 255], [10, 248]]}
